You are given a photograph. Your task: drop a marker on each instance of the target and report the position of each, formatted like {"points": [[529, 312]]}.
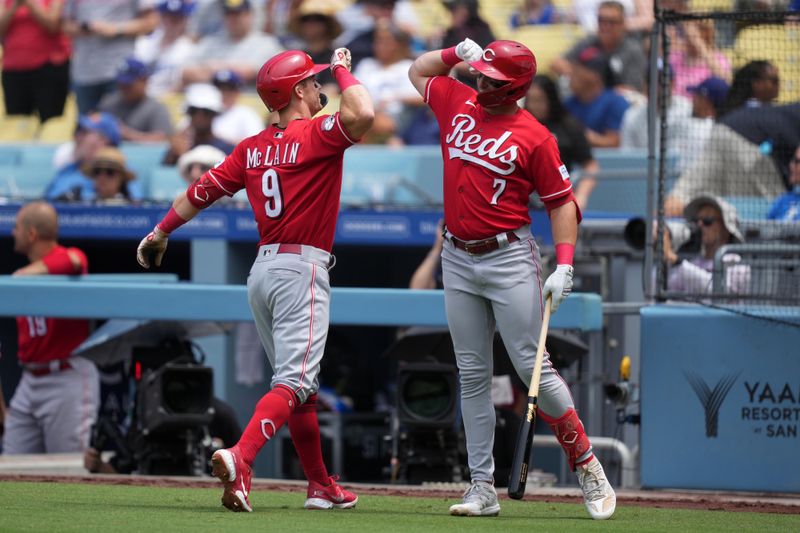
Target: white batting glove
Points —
{"points": [[152, 247], [469, 51], [341, 58], [558, 285]]}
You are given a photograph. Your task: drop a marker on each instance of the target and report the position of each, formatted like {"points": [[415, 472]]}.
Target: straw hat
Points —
{"points": [[108, 157], [324, 8]]}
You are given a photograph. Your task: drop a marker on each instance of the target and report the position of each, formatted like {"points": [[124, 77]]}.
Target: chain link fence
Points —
{"points": [[726, 160]]}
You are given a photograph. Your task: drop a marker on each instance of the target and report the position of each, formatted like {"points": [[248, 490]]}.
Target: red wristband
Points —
{"points": [[564, 253], [344, 78], [449, 56], [171, 221]]}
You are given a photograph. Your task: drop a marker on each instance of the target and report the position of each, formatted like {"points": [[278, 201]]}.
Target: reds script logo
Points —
{"points": [[466, 145]]}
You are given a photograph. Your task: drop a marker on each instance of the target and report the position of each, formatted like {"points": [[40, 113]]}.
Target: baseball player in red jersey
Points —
{"points": [[496, 155], [55, 403], [292, 172]]}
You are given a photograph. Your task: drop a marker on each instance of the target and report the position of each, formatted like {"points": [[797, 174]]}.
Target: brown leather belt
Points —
{"points": [[483, 246], [47, 369]]}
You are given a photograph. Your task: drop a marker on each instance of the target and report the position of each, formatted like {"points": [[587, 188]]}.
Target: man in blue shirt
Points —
{"points": [[599, 108], [787, 207]]}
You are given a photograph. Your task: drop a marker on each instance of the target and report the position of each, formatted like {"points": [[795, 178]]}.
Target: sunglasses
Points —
{"points": [[795, 160], [705, 221], [105, 172], [609, 21], [198, 166]]}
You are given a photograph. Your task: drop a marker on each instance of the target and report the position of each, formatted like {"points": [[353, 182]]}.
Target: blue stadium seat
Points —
{"points": [[9, 154], [25, 181], [165, 184], [378, 175], [750, 207], [37, 154]]}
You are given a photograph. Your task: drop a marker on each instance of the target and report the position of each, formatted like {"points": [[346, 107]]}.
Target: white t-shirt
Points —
{"points": [[237, 123], [165, 63], [388, 86]]}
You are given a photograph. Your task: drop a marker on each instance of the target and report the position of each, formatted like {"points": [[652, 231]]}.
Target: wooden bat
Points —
{"points": [[522, 453]]}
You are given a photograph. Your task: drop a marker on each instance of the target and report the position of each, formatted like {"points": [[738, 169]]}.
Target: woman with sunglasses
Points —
{"points": [[717, 223], [110, 176]]}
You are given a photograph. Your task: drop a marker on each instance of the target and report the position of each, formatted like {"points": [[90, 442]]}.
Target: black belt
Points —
{"points": [[483, 246]]}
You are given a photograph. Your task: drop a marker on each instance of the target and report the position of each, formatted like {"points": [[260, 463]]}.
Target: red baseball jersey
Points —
{"points": [[293, 179], [44, 339], [492, 163]]}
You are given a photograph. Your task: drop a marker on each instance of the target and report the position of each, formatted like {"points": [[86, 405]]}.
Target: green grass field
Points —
{"points": [[75, 507]]}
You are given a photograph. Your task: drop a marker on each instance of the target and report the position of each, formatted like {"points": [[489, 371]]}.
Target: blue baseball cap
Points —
{"points": [[227, 78], [713, 88], [103, 123], [132, 70], [177, 7]]}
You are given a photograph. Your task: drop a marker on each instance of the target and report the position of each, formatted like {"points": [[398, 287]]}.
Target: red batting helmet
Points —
{"points": [[506, 61], [279, 75]]}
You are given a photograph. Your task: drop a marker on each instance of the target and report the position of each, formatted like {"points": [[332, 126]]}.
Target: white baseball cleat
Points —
{"points": [[598, 495], [480, 499]]}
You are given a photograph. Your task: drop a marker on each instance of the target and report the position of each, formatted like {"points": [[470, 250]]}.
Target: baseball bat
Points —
{"points": [[522, 453]]}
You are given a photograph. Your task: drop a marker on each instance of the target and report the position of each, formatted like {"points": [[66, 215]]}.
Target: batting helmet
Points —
{"points": [[279, 75], [506, 61]]}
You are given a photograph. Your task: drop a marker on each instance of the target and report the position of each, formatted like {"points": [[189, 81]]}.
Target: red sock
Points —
{"points": [[304, 427], [271, 413], [570, 433]]}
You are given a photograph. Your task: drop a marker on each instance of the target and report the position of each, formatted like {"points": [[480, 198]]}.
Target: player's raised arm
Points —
{"points": [[439, 62], [356, 110]]}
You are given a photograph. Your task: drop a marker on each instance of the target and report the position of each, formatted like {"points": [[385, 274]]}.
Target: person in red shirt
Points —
{"points": [[36, 56], [292, 172], [495, 156], [55, 403]]}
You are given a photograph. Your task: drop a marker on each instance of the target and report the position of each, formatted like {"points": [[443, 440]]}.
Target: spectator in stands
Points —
{"points": [[422, 129], [236, 121], [55, 403], [428, 274], [466, 22], [755, 84], [314, 29], [239, 47], [543, 102], [110, 176], [36, 55], [385, 77], [639, 16], [104, 34], [708, 97], [142, 118], [533, 13], [747, 155], [358, 22], [787, 207], [718, 224], [634, 132], [203, 103], [197, 161], [599, 108], [625, 54], [166, 50], [94, 131], [694, 56]]}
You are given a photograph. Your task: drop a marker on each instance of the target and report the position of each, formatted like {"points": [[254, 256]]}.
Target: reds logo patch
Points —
{"points": [[564, 172], [327, 124]]}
